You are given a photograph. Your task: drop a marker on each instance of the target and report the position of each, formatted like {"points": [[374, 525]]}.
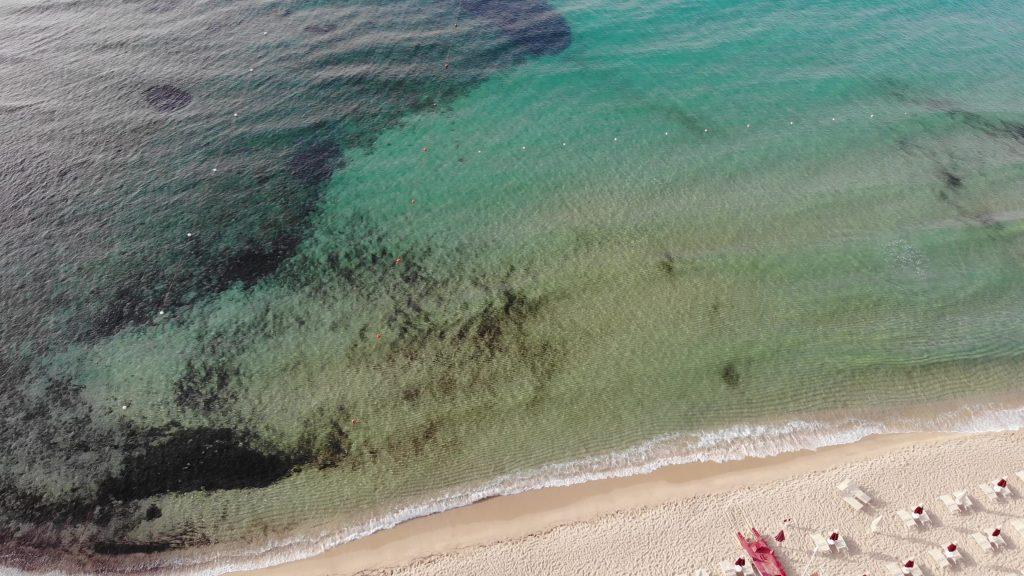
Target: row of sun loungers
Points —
{"points": [[957, 502]]}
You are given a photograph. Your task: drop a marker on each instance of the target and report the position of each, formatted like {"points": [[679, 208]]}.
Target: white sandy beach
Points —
{"points": [[680, 519]]}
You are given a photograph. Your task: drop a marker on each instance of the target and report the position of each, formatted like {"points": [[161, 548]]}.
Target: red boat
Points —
{"points": [[761, 554]]}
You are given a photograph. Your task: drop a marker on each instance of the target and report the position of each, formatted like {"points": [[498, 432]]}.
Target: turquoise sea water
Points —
{"points": [[452, 249]]}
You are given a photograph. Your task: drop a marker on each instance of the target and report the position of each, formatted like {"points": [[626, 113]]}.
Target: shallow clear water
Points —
{"points": [[605, 236]]}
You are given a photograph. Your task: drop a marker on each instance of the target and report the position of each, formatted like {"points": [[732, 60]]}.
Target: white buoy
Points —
{"points": [[833, 118], [872, 115], [705, 129], [235, 114], [563, 143], [161, 312], [748, 125], [790, 122], [188, 235], [251, 69], [124, 407], [666, 133], [616, 139], [524, 147], [214, 169]]}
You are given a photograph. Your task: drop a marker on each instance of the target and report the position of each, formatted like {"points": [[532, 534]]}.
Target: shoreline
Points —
{"points": [[502, 519], [665, 469]]}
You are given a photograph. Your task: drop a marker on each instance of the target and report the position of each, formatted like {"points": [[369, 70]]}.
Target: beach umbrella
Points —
{"points": [[997, 532], [951, 547], [834, 536], [919, 510], [781, 536], [909, 564], [1001, 483], [740, 561]]}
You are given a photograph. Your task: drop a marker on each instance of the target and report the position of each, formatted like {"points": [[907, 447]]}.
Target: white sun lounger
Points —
{"points": [[862, 496], [950, 503], [701, 572], [987, 490], [841, 545], [853, 502], [820, 543], [982, 541], [848, 488], [940, 560], [1004, 491], [964, 500], [1020, 474], [997, 541], [907, 518], [1018, 525], [925, 520]]}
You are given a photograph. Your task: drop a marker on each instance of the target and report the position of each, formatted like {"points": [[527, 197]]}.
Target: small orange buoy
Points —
{"points": [[378, 336]]}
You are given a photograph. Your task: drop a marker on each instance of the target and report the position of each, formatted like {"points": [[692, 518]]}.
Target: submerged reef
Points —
{"points": [[176, 459], [428, 354]]}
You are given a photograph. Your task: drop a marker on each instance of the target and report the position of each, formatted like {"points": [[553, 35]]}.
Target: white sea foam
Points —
{"points": [[727, 444]]}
